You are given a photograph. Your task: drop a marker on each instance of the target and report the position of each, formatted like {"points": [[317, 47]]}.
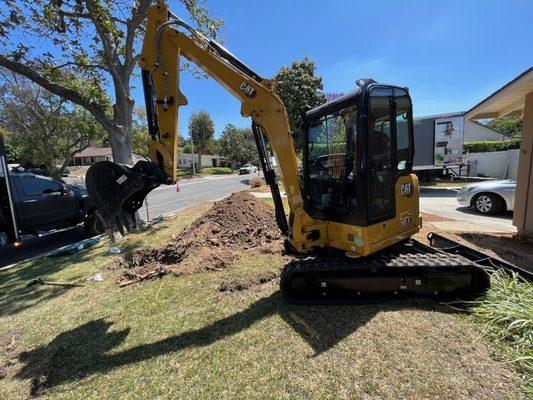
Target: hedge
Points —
{"points": [[484, 146]]}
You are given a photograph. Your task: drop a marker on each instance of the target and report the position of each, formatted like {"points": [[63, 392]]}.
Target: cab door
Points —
{"points": [[390, 149], [380, 157]]}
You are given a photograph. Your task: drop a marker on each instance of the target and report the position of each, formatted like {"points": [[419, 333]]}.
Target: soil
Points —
{"points": [[238, 283], [238, 222], [433, 218]]}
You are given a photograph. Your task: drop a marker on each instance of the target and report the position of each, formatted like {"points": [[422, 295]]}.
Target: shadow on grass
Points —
{"points": [[83, 351]]}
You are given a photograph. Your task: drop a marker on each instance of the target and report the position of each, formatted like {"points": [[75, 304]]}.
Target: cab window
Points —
{"points": [[331, 164]]}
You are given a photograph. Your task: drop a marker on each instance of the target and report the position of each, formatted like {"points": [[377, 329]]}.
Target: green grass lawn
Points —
{"points": [[205, 171], [181, 337]]}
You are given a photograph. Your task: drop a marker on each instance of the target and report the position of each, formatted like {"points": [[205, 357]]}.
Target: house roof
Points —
{"points": [[94, 152], [506, 101]]}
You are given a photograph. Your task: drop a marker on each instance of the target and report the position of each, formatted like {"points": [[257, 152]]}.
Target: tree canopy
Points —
{"points": [[85, 51], [298, 86], [43, 128], [508, 126], [238, 145], [201, 130]]}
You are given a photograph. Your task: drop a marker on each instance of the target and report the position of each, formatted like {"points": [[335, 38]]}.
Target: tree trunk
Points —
{"points": [[120, 141], [200, 150]]}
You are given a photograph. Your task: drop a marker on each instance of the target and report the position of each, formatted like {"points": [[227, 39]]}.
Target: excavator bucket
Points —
{"points": [[119, 191]]}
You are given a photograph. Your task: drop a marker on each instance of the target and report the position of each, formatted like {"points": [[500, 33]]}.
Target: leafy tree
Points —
{"points": [[187, 149], [508, 126], [297, 86], [238, 144], [43, 128], [213, 147], [201, 130], [81, 49]]}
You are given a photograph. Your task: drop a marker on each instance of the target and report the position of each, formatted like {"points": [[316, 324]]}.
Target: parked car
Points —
{"points": [[44, 204], [488, 197], [247, 169]]}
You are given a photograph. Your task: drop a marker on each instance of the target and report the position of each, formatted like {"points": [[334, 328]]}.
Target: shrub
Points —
{"points": [[257, 182], [484, 146], [507, 317]]}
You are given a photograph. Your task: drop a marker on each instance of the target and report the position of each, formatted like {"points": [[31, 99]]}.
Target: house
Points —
{"points": [[93, 154], [208, 160]]}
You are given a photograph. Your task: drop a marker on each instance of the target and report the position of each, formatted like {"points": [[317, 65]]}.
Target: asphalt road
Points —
{"points": [[163, 200]]}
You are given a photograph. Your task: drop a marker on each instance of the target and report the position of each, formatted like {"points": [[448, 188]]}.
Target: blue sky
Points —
{"points": [[451, 54]]}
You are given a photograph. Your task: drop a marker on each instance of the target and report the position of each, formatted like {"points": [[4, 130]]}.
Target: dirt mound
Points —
{"points": [[238, 222]]}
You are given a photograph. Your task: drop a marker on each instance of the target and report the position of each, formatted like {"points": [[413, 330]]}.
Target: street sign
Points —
{"points": [[8, 218]]}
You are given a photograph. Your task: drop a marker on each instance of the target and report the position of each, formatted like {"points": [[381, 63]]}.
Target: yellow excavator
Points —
{"points": [[356, 200]]}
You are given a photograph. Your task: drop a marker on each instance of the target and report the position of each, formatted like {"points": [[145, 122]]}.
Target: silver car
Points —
{"points": [[488, 197]]}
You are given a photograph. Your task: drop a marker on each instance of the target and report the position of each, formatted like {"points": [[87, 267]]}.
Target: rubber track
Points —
{"points": [[414, 254]]}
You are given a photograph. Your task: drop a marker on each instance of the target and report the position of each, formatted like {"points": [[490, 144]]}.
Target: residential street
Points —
{"points": [[165, 200]]}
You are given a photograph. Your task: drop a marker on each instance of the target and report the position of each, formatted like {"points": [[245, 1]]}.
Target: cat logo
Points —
{"points": [[406, 189], [249, 90]]}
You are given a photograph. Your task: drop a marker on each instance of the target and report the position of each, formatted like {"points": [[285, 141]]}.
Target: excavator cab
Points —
{"points": [[356, 149]]}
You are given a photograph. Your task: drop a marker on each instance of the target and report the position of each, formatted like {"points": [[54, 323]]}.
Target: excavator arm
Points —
{"points": [[166, 40]]}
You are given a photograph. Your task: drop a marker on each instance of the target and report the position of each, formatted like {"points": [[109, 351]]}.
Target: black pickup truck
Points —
{"points": [[44, 204]]}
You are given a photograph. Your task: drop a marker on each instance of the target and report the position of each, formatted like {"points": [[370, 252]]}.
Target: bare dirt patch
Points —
{"points": [[507, 246], [433, 217], [239, 283], [236, 223]]}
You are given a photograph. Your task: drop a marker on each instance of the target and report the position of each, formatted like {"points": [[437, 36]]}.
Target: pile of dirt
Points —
{"points": [[238, 222]]}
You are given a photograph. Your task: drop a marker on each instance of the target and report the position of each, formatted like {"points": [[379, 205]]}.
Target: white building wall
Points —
{"points": [[496, 164], [185, 160], [475, 131]]}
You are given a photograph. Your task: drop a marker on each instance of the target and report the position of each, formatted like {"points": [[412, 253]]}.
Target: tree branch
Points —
{"points": [[66, 64], [69, 14], [69, 94]]}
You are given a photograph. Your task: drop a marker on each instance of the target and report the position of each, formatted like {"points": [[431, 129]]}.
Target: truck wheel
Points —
{"points": [[488, 203], [93, 225]]}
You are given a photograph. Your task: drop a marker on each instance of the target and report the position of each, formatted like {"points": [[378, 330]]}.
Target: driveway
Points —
{"points": [[442, 202]]}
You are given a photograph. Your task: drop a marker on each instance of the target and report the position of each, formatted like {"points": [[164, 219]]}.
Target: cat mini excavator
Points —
{"points": [[356, 194]]}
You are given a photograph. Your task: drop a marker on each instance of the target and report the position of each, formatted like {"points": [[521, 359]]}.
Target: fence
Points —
{"points": [[496, 164]]}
